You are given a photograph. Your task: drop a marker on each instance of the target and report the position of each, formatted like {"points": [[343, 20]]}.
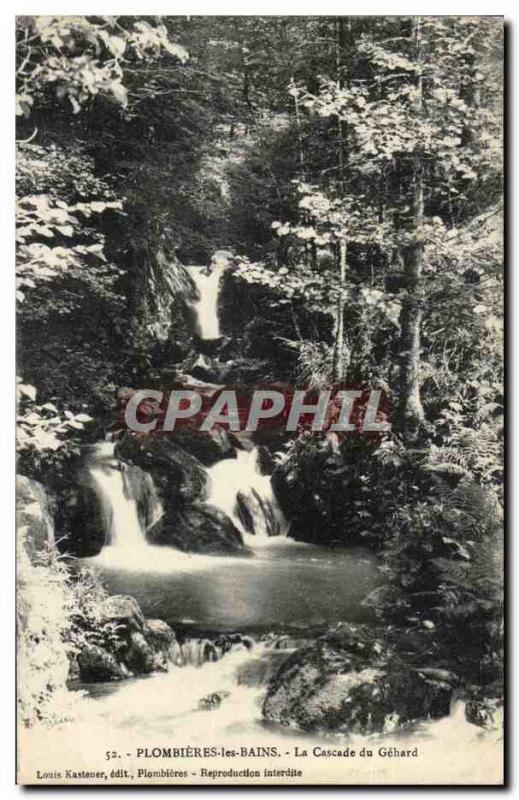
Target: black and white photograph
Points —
{"points": [[260, 400]]}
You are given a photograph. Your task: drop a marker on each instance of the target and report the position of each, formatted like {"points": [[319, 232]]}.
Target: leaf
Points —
{"points": [[119, 92], [116, 45], [73, 423], [27, 390], [66, 230], [83, 418], [177, 50]]}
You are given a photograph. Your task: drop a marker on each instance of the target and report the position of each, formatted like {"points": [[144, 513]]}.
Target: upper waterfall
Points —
{"points": [[206, 307]]}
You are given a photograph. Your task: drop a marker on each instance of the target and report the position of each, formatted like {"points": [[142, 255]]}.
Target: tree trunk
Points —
{"points": [[302, 169], [340, 352], [410, 413]]}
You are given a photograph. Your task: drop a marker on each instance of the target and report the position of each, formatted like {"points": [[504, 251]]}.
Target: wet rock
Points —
{"points": [[204, 368], [351, 681], [97, 664], [210, 347], [141, 657], [159, 635], [123, 610], [208, 446], [227, 641], [80, 519], [376, 597], [198, 528], [212, 700], [482, 711], [177, 473], [34, 523], [139, 485], [256, 514]]}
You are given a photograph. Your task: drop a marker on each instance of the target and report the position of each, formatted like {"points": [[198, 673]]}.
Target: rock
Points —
{"points": [[351, 681], [123, 610], [208, 446], [141, 657], [177, 473], [97, 664], [139, 484], [34, 523], [482, 711], [210, 347], [212, 700], [438, 675], [159, 635], [225, 642], [198, 528], [375, 598], [204, 368], [80, 520], [125, 643], [257, 515]]}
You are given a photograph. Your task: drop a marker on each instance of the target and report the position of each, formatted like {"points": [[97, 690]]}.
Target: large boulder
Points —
{"points": [[123, 610], [140, 657], [125, 643], [97, 664], [198, 528], [208, 446], [159, 635], [80, 521], [34, 522], [351, 681], [177, 473]]}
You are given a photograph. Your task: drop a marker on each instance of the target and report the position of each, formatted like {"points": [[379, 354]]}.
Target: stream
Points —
{"points": [[278, 594]]}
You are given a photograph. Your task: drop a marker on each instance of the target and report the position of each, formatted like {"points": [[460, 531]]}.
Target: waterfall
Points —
{"points": [[206, 307], [195, 652], [237, 487], [118, 494]]}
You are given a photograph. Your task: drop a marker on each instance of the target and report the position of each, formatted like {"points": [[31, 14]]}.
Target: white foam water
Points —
{"points": [[238, 477], [206, 307]]}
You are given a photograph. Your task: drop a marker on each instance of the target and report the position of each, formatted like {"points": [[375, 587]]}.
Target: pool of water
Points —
{"points": [[284, 583]]}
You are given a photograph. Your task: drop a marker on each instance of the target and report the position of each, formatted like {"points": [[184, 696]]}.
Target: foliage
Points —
{"points": [[443, 578], [81, 57], [343, 493], [59, 610], [46, 436], [44, 607], [52, 233]]}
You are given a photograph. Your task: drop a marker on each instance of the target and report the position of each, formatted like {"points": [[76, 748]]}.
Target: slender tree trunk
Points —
{"points": [[411, 415], [411, 410], [339, 43], [341, 354], [302, 169]]}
